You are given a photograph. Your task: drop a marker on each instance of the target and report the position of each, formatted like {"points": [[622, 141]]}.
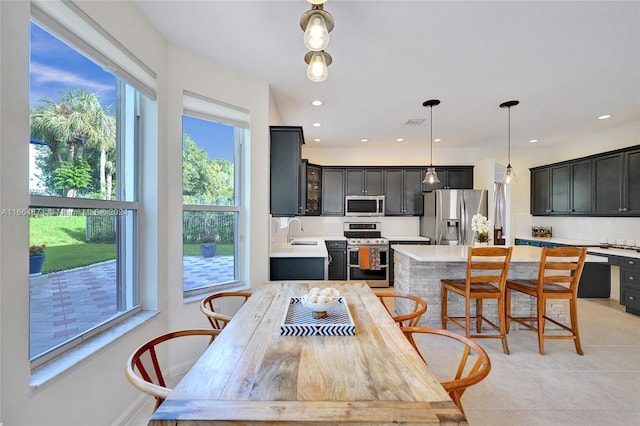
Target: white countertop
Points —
{"points": [[318, 250], [566, 241], [445, 253], [406, 238], [615, 252], [592, 246]]}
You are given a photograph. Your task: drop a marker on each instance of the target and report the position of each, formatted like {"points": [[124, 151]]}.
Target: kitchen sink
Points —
{"points": [[304, 243]]}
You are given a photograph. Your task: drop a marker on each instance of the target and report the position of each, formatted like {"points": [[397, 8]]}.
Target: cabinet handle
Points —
{"points": [[330, 259], [632, 298], [631, 262], [624, 209], [631, 278]]}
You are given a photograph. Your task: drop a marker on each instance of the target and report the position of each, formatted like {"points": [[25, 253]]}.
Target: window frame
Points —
{"points": [[129, 113], [203, 108]]}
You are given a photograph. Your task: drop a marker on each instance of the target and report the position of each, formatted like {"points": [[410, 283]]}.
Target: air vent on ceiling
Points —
{"points": [[414, 122]]}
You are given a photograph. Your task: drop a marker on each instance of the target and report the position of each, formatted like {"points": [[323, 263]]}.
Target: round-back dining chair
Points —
{"points": [[208, 307], [144, 369], [413, 306], [466, 375]]}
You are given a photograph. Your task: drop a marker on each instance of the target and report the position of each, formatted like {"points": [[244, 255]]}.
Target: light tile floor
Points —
{"points": [[561, 388]]}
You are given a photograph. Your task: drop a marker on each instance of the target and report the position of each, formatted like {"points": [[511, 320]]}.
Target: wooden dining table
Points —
{"points": [[251, 374]]}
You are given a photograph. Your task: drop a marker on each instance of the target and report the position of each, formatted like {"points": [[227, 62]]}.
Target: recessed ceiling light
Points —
{"points": [[604, 117], [399, 140], [317, 124], [533, 141], [317, 140], [437, 140], [316, 102], [364, 140]]}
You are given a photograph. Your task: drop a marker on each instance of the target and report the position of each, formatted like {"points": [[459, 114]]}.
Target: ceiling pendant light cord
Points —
{"points": [[431, 136], [509, 174], [509, 137]]}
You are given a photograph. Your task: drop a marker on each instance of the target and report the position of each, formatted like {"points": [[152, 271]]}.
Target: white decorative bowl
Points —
{"points": [[318, 307]]}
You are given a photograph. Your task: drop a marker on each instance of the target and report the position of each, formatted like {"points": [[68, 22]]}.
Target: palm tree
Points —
{"points": [[75, 121]]}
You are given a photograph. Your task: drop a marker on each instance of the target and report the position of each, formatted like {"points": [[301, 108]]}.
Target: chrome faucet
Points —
{"points": [[289, 237]]}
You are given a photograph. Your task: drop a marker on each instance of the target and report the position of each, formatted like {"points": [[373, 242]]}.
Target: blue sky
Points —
{"points": [[55, 67]]}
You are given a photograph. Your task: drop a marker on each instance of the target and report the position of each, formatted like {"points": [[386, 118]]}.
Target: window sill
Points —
{"points": [[66, 361]]}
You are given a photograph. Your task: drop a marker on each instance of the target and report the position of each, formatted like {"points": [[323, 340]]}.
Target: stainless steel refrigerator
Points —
{"points": [[448, 213]]}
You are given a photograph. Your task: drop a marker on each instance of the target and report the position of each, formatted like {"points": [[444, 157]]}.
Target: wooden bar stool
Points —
{"points": [[487, 269], [558, 278]]}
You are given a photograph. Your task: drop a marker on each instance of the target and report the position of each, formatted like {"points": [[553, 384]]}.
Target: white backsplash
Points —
{"points": [[327, 226], [581, 228]]}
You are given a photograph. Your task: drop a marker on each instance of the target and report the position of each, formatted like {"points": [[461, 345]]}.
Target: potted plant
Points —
{"points": [[208, 245], [481, 227], [36, 258]]}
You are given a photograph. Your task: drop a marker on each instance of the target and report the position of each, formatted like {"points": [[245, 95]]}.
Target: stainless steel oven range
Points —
{"points": [[367, 253]]}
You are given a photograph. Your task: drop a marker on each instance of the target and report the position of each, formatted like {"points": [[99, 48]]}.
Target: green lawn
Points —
{"points": [[67, 249]]}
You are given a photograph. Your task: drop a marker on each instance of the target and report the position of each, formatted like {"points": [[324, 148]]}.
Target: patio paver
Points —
{"points": [[66, 303]]}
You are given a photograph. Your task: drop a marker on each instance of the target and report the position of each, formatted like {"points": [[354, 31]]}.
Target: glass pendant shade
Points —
{"points": [[316, 35], [509, 175], [317, 69], [431, 176]]}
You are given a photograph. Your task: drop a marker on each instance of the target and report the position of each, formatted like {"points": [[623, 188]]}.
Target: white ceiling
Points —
{"points": [[567, 62]]}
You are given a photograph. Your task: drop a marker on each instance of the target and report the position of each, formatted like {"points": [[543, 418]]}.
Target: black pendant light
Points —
{"points": [[509, 175], [431, 176]]}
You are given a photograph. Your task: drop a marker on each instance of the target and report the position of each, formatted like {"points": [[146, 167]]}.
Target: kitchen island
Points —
{"points": [[419, 269]]}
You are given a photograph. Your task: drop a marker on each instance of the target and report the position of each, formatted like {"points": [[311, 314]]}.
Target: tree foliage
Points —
{"points": [[72, 125], [205, 181], [72, 176]]}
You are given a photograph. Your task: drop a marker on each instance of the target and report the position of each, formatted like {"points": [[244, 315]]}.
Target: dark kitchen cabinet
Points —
{"points": [[608, 184], [540, 200], [285, 156], [333, 182], [311, 188], [617, 183], [452, 177], [580, 200], [364, 182], [562, 189], [630, 284], [559, 189], [297, 268], [337, 250], [403, 191]]}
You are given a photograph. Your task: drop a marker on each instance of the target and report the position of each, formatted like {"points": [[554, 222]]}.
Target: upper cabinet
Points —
{"points": [[617, 183], [364, 181], [311, 187], [333, 182], [285, 155], [403, 191], [563, 189], [452, 177], [606, 184]]}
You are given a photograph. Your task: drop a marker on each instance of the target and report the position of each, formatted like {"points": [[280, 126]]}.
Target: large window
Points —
{"points": [[84, 185], [211, 188]]}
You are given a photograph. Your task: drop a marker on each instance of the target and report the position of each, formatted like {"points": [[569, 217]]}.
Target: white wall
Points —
{"points": [[95, 390]]}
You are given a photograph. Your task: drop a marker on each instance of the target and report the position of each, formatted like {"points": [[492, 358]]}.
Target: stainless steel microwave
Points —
{"points": [[364, 205]]}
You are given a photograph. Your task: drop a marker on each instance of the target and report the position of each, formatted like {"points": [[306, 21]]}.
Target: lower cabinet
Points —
{"points": [[337, 250], [297, 268], [630, 284]]}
